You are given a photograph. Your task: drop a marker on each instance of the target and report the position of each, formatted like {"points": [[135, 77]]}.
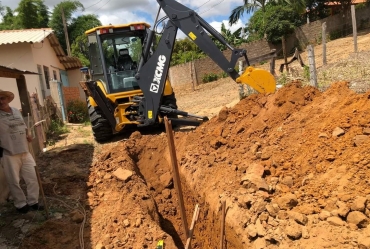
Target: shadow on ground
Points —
{"points": [[64, 172]]}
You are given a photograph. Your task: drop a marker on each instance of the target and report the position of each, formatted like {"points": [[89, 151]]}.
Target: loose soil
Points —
{"points": [[291, 166]]}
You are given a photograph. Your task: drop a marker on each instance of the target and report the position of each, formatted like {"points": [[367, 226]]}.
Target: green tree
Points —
{"points": [[9, 20], [32, 14], [56, 22], [235, 38], [298, 6], [184, 51], [281, 19], [81, 24], [248, 7], [44, 14], [76, 31], [80, 50]]}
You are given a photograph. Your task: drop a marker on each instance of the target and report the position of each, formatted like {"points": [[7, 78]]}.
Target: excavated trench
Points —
{"points": [[207, 230], [231, 158]]}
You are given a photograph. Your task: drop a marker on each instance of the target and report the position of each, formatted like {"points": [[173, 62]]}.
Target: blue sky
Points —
{"points": [[124, 11]]}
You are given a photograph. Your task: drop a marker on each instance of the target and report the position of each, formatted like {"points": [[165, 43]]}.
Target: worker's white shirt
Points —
{"points": [[13, 133]]}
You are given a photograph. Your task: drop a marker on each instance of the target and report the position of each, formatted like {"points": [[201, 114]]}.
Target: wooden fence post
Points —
{"points": [[324, 43], [241, 86], [284, 52], [272, 65], [191, 73], [353, 13], [312, 64]]}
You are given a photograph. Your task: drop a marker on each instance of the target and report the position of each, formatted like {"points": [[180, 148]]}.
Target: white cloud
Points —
{"points": [[233, 28], [121, 17], [118, 12]]}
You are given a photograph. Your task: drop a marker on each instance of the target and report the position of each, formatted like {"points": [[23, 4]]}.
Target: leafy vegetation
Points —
{"points": [[28, 14], [56, 22], [270, 20], [184, 51], [77, 111], [32, 14], [281, 20], [35, 14], [235, 38], [56, 129], [213, 77]]}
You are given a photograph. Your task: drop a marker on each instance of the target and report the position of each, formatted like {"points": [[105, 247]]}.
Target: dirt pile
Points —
{"points": [[292, 167]]}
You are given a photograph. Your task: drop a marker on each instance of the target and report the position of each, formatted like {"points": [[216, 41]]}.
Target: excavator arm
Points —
{"points": [[153, 69]]}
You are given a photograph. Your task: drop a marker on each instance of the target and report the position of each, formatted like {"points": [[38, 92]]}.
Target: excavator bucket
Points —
{"points": [[259, 79]]}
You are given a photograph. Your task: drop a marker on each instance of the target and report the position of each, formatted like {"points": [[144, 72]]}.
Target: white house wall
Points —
{"points": [[25, 56], [44, 55], [18, 55]]}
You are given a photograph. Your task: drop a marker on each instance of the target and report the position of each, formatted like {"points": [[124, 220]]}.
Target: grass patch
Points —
{"points": [[56, 129], [83, 132]]}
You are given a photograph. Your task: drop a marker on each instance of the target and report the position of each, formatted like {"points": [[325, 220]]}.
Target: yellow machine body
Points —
{"points": [[120, 112]]}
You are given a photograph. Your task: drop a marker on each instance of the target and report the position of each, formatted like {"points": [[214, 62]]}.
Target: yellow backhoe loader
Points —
{"points": [[127, 82]]}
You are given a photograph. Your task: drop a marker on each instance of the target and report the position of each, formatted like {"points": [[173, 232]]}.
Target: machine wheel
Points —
{"points": [[101, 128]]}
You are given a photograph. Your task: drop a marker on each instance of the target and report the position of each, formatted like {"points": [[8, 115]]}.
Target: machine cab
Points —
{"points": [[115, 52]]}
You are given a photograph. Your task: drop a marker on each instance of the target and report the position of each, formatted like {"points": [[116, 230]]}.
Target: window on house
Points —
{"points": [[55, 75], [47, 77]]}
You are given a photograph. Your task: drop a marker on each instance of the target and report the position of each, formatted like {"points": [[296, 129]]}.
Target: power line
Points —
{"points": [[202, 4], [92, 5], [103, 5], [212, 7]]}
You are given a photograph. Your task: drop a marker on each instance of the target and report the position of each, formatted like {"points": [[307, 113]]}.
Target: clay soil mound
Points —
{"points": [[293, 168]]}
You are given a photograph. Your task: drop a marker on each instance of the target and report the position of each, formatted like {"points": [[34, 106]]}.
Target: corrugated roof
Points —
{"points": [[38, 35], [26, 35]]}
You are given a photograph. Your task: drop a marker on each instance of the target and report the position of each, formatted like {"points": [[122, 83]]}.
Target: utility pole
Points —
{"points": [[66, 32]]}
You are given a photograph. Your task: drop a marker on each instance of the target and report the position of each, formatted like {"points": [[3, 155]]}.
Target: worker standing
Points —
{"points": [[17, 161]]}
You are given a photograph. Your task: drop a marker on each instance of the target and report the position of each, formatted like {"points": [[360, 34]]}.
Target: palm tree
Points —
{"points": [[233, 38], [248, 7], [298, 6]]}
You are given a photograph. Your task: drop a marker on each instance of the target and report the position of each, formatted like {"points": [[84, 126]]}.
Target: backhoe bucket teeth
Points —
{"points": [[260, 80]]}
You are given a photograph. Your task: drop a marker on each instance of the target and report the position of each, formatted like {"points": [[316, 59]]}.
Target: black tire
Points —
{"points": [[101, 128]]}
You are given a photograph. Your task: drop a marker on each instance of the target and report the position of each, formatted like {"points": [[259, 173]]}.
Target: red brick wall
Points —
{"points": [[71, 93]]}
